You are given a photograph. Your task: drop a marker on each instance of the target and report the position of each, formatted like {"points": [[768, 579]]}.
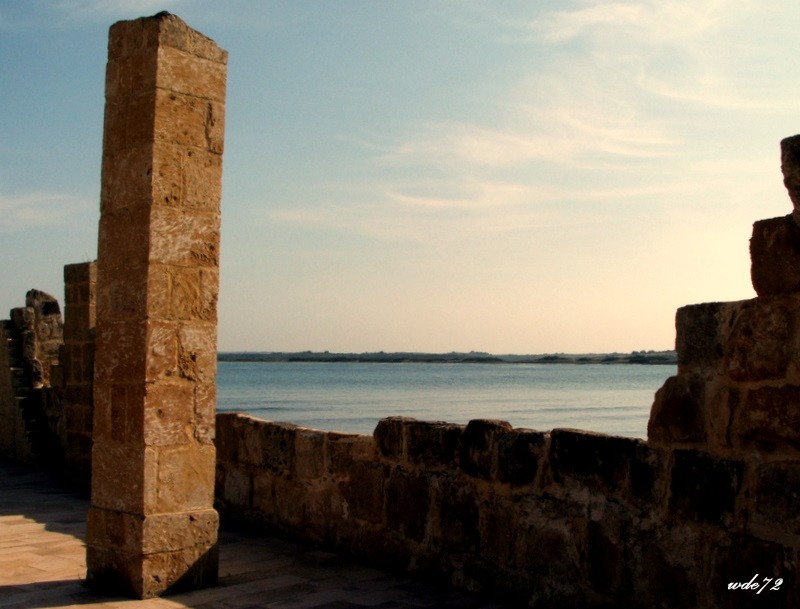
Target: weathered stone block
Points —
{"points": [[228, 439], [22, 317], [432, 444], [389, 435], [678, 413], [178, 531], [237, 490], [119, 412], [205, 406], [168, 414], [112, 571], [290, 503], [664, 567], [769, 419], [777, 496], [519, 455], [57, 376], [180, 119], [278, 441], [459, 516], [80, 272], [775, 256], [598, 462], [309, 449], [759, 346], [699, 339], [790, 167], [112, 528], [184, 239], [648, 477], [112, 461], [197, 351], [180, 74], [478, 453], [364, 491], [162, 350], [129, 122], [130, 75], [704, 488], [79, 321], [546, 546], [498, 529], [126, 169], [407, 504], [197, 193], [129, 37], [185, 479], [606, 547], [172, 572], [343, 450], [122, 299]]}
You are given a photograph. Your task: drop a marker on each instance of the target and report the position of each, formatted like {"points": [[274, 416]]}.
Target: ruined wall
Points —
{"points": [[561, 519], [7, 402], [30, 407], [77, 361], [46, 375]]}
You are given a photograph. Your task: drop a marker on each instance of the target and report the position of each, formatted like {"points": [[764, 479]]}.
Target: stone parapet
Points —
{"points": [[565, 518]]}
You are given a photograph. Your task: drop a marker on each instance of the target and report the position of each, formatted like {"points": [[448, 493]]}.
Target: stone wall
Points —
{"points": [[560, 519], [30, 406], [46, 376], [8, 415], [78, 369]]}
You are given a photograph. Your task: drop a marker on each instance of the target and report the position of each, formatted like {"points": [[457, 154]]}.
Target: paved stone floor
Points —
{"points": [[42, 564]]}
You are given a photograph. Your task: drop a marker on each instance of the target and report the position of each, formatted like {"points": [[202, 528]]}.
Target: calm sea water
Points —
{"points": [[352, 397]]}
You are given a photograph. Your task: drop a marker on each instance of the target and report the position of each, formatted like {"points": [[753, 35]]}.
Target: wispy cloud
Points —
{"points": [[652, 22], [609, 122], [37, 209]]}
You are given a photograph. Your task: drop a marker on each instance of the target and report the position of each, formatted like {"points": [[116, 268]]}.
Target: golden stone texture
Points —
{"points": [[152, 528]]}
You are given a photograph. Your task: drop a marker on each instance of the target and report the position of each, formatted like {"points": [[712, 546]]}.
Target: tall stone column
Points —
{"points": [[152, 528]]}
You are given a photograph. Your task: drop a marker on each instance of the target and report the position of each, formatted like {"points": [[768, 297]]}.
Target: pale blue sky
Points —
{"points": [[457, 175]]}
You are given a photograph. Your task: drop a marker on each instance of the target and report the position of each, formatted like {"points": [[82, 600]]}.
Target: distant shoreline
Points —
{"points": [[473, 357]]}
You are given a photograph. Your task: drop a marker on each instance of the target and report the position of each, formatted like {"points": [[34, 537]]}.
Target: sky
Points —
{"points": [[510, 177]]}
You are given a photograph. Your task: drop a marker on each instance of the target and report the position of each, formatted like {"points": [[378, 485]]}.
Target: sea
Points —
{"points": [[354, 396]]}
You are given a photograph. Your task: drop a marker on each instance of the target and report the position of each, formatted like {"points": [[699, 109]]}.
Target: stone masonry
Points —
{"points": [[80, 282], [30, 367], [152, 528]]}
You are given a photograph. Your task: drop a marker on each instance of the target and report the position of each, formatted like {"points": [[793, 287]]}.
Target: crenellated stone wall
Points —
{"points": [[559, 519], [30, 396]]}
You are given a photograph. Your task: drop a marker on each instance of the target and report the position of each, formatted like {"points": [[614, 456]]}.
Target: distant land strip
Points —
{"points": [[473, 357]]}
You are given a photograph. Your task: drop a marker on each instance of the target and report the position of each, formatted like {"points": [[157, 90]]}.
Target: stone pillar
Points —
{"points": [[152, 528], [78, 362]]}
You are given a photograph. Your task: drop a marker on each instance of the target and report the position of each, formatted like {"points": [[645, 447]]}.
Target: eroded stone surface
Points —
{"points": [[157, 284]]}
